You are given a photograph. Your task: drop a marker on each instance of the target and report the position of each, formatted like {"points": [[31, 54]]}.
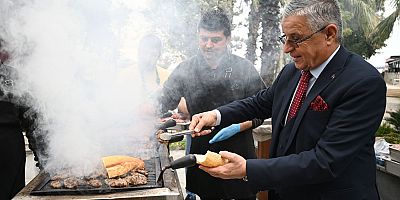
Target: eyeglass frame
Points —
{"points": [[297, 42]]}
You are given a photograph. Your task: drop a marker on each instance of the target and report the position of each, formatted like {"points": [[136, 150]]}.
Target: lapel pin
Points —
{"points": [[333, 76]]}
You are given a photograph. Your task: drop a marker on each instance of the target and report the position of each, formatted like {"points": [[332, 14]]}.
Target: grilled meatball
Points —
{"points": [[121, 182], [137, 179], [56, 184], [95, 183], [71, 183]]}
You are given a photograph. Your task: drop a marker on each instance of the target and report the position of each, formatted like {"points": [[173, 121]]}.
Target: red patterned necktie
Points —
{"points": [[300, 94]]}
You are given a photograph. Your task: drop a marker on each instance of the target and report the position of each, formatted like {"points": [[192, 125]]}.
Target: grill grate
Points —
{"points": [[152, 166]]}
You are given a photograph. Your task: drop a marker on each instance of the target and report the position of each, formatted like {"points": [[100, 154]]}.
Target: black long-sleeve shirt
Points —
{"points": [[206, 89], [13, 121]]}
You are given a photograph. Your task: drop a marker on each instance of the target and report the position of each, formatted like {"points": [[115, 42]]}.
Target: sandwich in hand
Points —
{"points": [[210, 159]]}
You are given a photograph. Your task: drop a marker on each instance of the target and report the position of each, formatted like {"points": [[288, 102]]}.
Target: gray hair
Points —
{"points": [[319, 13]]}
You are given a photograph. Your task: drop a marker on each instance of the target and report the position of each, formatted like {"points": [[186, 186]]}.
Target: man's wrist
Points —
{"points": [[246, 125], [245, 178], [218, 122]]}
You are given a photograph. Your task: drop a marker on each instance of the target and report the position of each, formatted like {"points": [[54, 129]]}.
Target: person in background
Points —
{"points": [[152, 76], [325, 106], [14, 119], [210, 79], [149, 52]]}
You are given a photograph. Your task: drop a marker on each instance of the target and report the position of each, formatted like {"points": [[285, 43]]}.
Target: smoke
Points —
{"points": [[75, 60]]}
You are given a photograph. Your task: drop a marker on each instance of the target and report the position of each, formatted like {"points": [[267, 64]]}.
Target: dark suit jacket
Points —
{"points": [[332, 150]]}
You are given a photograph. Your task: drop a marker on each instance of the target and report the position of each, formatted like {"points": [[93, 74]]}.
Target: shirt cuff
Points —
{"points": [[218, 122]]}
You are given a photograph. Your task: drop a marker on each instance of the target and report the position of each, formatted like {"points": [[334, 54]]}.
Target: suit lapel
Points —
{"points": [[331, 71]]}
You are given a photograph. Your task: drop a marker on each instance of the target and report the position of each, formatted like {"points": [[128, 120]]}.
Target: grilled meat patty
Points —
{"points": [[56, 184], [120, 182], [94, 183], [71, 183], [137, 179]]}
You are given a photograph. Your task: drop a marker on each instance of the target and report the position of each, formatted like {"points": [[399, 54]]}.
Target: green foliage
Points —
{"points": [[392, 138], [358, 43], [391, 130], [394, 120], [383, 30], [365, 30], [384, 129], [178, 145]]}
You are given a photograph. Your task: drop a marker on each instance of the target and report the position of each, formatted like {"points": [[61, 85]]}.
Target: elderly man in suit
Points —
{"points": [[325, 106]]}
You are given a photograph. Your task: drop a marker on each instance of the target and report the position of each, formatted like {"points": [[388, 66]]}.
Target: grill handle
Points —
{"points": [[186, 161], [176, 138], [167, 124], [167, 114]]}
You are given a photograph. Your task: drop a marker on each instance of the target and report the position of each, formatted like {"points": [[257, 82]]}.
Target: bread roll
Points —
{"points": [[211, 159], [120, 165]]}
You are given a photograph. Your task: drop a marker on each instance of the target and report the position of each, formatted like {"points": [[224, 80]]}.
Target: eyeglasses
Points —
{"points": [[214, 40], [296, 43]]}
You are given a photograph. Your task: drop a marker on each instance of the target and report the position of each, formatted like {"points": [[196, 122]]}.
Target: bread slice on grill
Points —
{"points": [[210, 159], [120, 165]]}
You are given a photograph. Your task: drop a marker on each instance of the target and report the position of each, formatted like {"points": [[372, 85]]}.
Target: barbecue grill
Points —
{"points": [[168, 188]]}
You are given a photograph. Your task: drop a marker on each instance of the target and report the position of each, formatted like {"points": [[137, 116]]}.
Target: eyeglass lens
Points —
{"points": [[283, 38]]}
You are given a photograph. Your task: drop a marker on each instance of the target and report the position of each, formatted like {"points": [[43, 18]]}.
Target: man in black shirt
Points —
{"points": [[210, 79]]}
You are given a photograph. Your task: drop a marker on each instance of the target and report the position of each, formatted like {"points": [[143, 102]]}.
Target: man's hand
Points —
{"points": [[234, 169], [226, 133], [201, 120]]}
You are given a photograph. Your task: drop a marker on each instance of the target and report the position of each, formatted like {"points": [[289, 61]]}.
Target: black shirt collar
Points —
{"points": [[224, 61]]}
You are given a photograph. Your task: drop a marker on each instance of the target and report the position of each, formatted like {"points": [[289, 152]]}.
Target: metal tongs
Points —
{"points": [[168, 136]]}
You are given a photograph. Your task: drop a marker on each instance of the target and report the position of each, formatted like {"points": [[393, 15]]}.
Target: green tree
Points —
{"points": [[383, 30], [365, 29]]}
